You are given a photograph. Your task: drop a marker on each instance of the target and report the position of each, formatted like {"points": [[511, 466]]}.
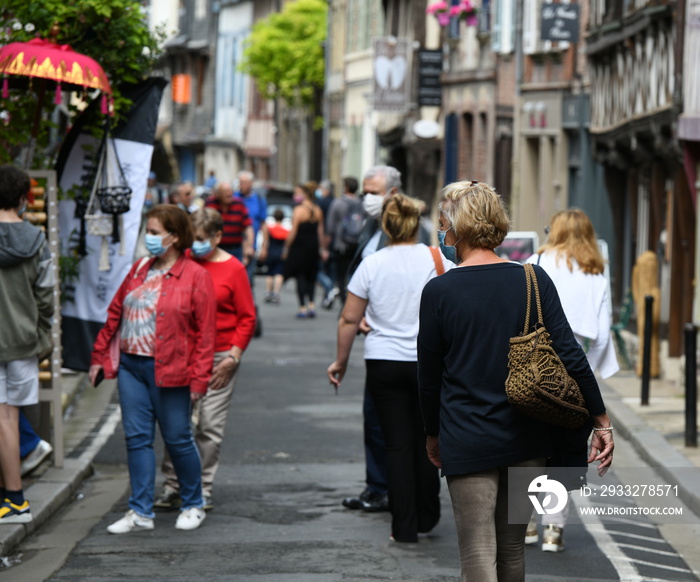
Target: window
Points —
{"points": [[531, 27], [502, 23], [485, 16], [365, 20]]}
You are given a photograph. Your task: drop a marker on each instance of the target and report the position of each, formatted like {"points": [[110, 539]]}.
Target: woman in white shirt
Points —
{"points": [[573, 261], [386, 290]]}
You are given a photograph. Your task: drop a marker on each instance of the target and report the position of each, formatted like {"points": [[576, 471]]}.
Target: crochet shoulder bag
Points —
{"points": [[538, 384]]}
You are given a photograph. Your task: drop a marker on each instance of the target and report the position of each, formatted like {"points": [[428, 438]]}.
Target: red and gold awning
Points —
{"points": [[48, 60]]}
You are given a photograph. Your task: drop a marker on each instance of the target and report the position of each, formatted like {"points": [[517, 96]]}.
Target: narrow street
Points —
{"points": [[293, 450]]}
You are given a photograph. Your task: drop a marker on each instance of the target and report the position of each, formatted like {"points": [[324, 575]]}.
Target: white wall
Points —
{"points": [[164, 12], [231, 101]]}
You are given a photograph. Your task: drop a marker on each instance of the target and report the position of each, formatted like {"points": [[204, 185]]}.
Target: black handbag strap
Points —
{"points": [[531, 280]]}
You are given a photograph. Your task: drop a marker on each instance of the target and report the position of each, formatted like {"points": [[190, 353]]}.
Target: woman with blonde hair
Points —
{"points": [[482, 444], [572, 259], [385, 289]]}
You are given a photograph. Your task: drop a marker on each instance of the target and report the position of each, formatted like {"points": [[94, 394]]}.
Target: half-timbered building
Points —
{"points": [[633, 58], [554, 166]]}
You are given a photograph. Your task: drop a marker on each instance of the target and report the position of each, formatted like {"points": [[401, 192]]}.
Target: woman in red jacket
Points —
{"points": [[235, 326], [159, 342]]}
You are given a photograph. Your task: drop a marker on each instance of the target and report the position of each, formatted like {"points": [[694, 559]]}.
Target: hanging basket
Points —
{"points": [[109, 200], [113, 190], [97, 222]]}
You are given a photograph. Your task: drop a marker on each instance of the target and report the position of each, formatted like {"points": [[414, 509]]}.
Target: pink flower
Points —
{"points": [[439, 6], [444, 12]]}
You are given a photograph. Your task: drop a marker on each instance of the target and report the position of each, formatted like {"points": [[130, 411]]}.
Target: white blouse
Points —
{"points": [[584, 298]]}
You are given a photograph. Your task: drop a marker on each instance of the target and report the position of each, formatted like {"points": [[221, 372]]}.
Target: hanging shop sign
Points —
{"points": [[391, 74], [429, 71], [560, 22]]}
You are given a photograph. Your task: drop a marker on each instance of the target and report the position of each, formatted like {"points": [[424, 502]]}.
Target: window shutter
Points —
{"points": [[531, 26], [496, 27], [529, 29], [507, 26]]}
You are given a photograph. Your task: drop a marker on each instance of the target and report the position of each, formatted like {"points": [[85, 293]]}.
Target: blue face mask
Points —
{"points": [[154, 245], [201, 248], [449, 252]]}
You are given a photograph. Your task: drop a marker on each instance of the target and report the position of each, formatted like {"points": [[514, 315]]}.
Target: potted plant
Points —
{"points": [[444, 12], [441, 11], [466, 11]]}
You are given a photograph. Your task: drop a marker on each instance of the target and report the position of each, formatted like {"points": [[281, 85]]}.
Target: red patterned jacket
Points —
{"points": [[185, 326]]}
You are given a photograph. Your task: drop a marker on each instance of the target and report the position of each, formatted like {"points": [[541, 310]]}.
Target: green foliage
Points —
{"points": [[285, 53], [113, 32]]}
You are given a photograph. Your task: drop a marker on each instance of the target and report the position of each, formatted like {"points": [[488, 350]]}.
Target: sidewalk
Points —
{"points": [[656, 432], [48, 488]]}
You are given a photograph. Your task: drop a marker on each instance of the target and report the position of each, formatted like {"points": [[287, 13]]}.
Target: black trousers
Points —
{"points": [[414, 482]]}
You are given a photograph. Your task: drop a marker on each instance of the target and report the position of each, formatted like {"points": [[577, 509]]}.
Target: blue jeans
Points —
{"points": [[250, 268], [323, 278], [143, 403], [28, 439]]}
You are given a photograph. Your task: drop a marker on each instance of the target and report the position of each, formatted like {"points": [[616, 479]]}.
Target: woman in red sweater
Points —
{"points": [[235, 326]]}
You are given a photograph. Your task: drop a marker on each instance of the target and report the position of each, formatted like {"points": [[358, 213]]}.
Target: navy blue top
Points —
{"points": [[467, 317]]}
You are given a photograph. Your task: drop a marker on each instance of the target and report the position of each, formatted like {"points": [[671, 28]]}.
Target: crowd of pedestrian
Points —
{"points": [[264, 242], [437, 322]]}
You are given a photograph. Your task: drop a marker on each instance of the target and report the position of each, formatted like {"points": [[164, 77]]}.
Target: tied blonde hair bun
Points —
{"points": [[401, 218]]}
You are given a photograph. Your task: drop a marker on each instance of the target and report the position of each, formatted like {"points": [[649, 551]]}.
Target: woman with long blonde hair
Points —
{"points": [[572, 236], [572, 259]]}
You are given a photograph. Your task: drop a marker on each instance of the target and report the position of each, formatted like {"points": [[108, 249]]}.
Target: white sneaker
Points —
{"points": [[132, 521], [553, 539], [36, 457], [190, 518]]}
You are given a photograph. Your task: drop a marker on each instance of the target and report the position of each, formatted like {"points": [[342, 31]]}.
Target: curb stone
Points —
{"points": [[653, 448]]}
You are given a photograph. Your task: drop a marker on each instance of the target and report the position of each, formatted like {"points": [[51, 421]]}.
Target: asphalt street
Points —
{"points": [[293, 450]]}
